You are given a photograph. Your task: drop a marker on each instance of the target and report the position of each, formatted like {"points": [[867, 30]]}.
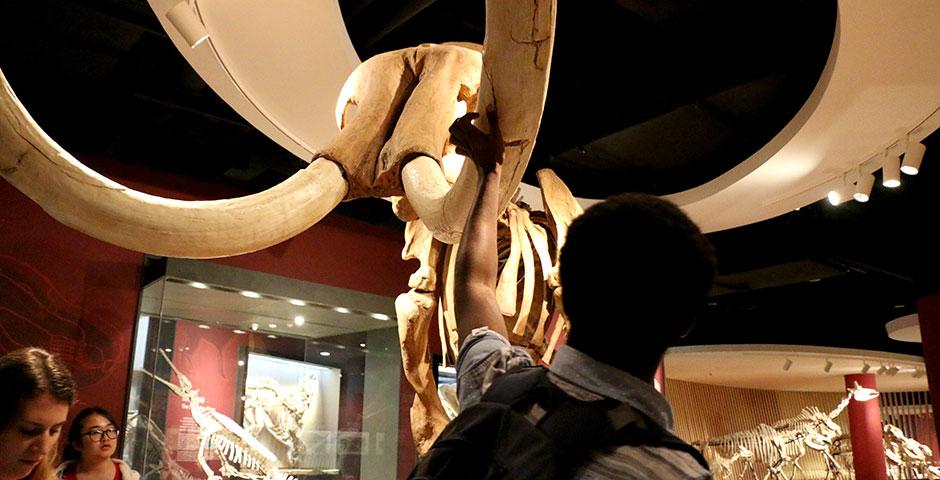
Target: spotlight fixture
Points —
{"points": [[863, 186], [866, 368], [254, 326], [893, 370], [272, 325], [241, 363], [839, 195], [380, 316], [919, 372], [883, 370], [828, 366], [787, 365], [891, 171], [324, 354], [184, 19], [912, 157]]}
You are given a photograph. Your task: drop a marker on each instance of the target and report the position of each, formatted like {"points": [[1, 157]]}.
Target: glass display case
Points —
{"points": [[241, 374]]}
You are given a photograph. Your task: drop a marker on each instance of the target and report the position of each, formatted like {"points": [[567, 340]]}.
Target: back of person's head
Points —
{"points": [[27, 373], [78, 426], [635, 272]]}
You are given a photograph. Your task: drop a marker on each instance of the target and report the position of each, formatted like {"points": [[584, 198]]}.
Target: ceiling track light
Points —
{"points": [[863, 186], [883, 370], [866, 368], [891, 171], [186, 21], [913, 157], [787, 365], [839, 195], [828, 366]]}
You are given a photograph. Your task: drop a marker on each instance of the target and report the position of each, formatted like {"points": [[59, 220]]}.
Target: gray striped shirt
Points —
{"points": [[486, 355]]}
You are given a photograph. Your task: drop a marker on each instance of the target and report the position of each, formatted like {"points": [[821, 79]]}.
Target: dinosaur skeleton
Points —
{"points": [[907, 458], [721, 467], [229, 441], [158, 463], [279, 411], [778, 448]]}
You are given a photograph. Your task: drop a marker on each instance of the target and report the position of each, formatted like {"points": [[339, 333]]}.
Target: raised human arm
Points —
{"points": [[477, 262]]}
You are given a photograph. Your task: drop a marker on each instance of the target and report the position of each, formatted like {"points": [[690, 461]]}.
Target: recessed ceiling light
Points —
{"points": [[167, 350], [299, 320], [324, 354], [254, 326], [272, 325], [272, 336], [380, 316], [342, 310], [204, 327], [240, 332], [241, 363], [299, 303], [198, 285], [362, 345], [250, 294]]}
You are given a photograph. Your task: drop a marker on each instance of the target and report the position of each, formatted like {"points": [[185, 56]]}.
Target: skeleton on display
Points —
{"points": [[394, 113], [907, 458], [779, 447], [722, 467], [158, 463], [233, 446], [279, 411]]}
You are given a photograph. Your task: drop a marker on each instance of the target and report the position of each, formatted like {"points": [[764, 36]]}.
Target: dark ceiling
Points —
{"points": [[647, 96]]}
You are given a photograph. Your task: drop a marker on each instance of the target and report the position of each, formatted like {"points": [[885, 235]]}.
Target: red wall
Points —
{"points": [[77, 296]]}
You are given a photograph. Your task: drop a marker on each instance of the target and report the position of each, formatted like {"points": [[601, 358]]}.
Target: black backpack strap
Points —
{"points": [[575, 425]]}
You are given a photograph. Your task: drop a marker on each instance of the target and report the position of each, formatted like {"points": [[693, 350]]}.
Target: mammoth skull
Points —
{"points": [[394, 113]]}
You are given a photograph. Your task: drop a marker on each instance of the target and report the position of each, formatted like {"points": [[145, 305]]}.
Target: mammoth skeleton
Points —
{"points": [[394, 113]]}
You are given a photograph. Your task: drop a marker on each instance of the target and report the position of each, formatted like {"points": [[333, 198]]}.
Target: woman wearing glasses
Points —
{"points": [[92, 441]]}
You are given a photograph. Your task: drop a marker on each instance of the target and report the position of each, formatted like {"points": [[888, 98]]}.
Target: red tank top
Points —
{"points": [[69, 473]]}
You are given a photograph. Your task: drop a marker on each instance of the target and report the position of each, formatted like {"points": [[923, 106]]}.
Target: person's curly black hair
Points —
{"points": [[635, 272]]}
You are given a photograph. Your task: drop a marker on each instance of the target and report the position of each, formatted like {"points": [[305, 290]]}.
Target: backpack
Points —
{"points": [[527, 428]]}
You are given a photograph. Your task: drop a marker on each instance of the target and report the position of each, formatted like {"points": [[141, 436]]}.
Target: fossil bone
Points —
{"points": [[360, 161], [220, 434]]}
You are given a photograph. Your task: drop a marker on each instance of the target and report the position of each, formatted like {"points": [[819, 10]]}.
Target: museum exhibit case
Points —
{"points": [[243, 374]]}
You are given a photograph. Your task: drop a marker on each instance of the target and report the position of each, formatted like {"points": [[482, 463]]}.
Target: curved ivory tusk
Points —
{"points": [[442, 208], [517, 54], [90, 203]]}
